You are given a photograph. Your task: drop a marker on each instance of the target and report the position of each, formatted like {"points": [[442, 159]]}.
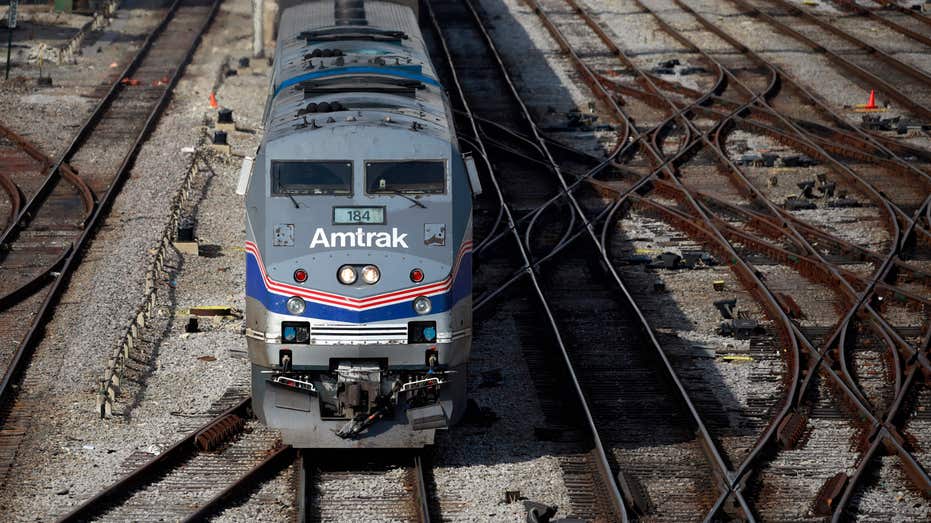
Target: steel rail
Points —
{"points": [[770, 304], [145, 473], [923, 476], [421, 496], [762, 118], [908, 69], [303, 460], [893, 4], [709, 444], [278, 458], [597, 31], [838, 167], [924, 480], [884, 86], [809, 96], [12, 192], [881, 436], [599, 454], [602, 164], [88, 125], [770, 224], [102, 206], [912, 222], [303, 500], [22, 212], [871, 14]]}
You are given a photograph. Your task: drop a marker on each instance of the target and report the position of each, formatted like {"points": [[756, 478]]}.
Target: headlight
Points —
{"points": [[422, 305], [295, 305], [347, 274], [370, 274]]}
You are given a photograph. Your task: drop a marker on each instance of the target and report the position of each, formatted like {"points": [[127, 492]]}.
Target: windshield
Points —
{"points": [[406, 177], [328, 177]]}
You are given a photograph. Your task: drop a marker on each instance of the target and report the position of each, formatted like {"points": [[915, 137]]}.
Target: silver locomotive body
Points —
{"points": [[359, 237]]}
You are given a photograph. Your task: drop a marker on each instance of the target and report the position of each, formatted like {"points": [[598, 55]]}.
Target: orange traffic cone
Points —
{"points": [[871, 104], [213, 101]]}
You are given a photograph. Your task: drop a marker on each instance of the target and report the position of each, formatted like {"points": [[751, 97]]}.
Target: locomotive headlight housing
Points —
{"points": [[422, 305], [370, 274], [347, 275], [296, 305]]}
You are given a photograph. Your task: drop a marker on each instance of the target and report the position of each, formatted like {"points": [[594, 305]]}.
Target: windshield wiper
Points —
{"points": [[415, 202], [296, 205]]}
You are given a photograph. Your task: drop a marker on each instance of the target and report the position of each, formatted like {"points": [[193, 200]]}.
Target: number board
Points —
{"points": [[356, 215]]}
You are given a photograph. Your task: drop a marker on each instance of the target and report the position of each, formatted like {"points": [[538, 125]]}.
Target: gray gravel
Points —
{"points": [[77, 452]]}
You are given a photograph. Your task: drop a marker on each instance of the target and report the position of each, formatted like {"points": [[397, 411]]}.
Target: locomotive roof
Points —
{"points": [[331, 71]]}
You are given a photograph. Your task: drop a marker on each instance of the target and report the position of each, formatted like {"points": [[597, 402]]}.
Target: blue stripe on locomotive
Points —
{"points": [[255, 288]]}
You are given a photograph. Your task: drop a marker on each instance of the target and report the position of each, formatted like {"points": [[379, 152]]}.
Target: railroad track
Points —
{"points": [[223, 461], [214, 463], [852, 386], [383, 485], [864, 369], [53, 216]]}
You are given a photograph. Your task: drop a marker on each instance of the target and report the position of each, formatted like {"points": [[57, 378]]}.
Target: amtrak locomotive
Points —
{"points": [[359, 235]]}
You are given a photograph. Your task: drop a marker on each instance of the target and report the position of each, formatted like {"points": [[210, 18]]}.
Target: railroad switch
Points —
{"points": [[726, 308], [541, 513], [670, 260], [219, 143], [185, 242], [225, 121], [798, 204], [806, 187]]}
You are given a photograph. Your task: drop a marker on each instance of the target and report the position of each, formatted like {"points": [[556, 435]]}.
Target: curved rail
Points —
{"points": [[93, 213], [148, 471], [797, 237], [699, 212]]}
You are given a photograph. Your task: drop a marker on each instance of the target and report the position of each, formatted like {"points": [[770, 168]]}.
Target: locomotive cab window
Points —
{"points": [[406, 177], [327, 177]]}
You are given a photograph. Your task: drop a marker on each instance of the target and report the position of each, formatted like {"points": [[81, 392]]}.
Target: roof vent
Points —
{"points": [[322, 107], [323, 53]]}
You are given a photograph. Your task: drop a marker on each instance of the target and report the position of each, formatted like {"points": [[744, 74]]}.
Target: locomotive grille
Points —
{"points": [[354, 334]]}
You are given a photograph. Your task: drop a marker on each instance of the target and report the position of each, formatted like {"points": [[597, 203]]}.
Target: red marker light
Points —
{"points": [[416, 275], [300, 275]]}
